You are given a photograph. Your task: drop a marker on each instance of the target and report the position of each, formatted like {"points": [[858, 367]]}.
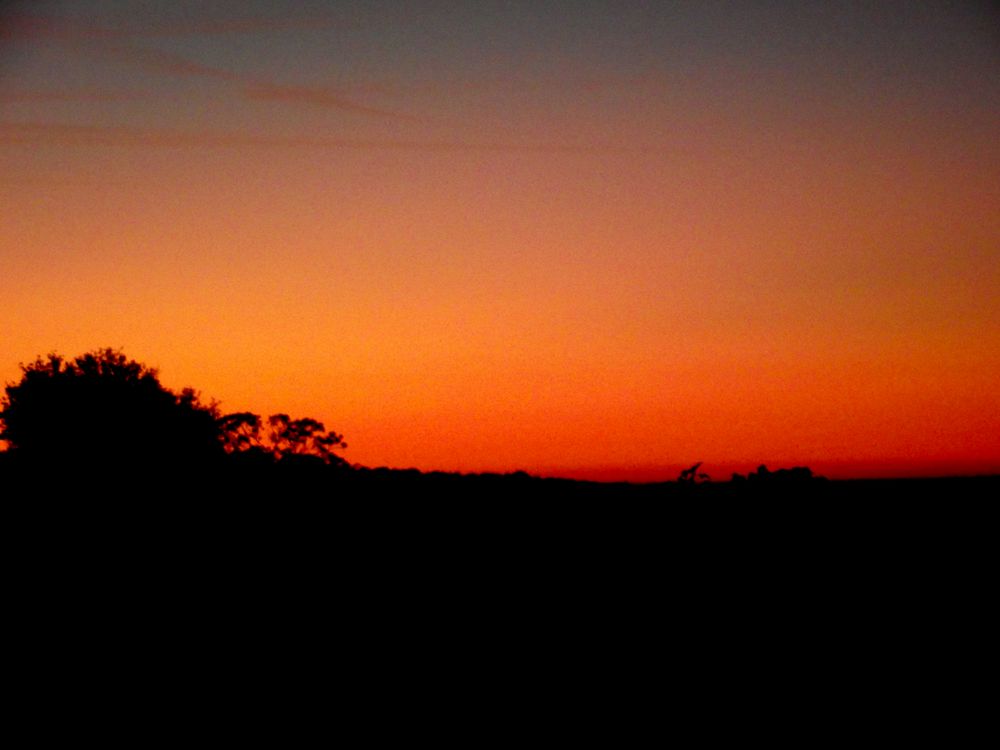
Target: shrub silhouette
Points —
{"points": [[103, 408]]}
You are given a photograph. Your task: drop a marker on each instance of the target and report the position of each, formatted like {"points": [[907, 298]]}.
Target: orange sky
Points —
{"points": [[588, 265]]}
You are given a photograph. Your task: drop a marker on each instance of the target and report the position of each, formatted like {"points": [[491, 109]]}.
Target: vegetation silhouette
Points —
{"points": [[103, 414], [103, 410], [245, 438], [691, 475]]}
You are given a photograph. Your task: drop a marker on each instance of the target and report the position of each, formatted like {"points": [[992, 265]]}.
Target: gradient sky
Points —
{"points": [[601, 239]]}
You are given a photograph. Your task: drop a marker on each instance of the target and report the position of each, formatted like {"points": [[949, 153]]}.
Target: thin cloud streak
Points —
{"points": [[110, 135], [252, 88], [37, 28], [28, 96], [159, 61], [317, 97], [82, 38]]}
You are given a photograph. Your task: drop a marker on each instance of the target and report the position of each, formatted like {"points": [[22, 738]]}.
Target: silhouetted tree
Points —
{"points": [[241, 432], [103, 409], [284, 439], [304, 437], [692, 476]]}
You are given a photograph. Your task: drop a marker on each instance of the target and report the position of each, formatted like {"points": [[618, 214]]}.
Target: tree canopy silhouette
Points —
{"points": [[284, 438], [104, 408]]}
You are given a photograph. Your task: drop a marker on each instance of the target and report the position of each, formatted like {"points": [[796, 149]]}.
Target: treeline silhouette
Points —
{"points": [[102, 416], [104, 413]]}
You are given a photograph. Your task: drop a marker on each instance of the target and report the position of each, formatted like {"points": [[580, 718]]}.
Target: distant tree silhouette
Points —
{"points": [[692, 476], [284, 439], [298, 437], [241, 432], [103, 408]]}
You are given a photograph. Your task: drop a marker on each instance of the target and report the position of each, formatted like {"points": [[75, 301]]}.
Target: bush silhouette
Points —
{"points": [[105, 409]]}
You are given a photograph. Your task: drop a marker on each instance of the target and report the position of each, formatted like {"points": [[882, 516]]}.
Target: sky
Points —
{"points": [[595, 239]]}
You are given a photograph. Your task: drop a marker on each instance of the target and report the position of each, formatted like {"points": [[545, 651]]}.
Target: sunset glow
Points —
{"points": [[601, 240]]}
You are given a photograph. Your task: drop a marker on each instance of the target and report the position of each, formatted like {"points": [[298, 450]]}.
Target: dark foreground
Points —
{"points": [[308, 482], [389, 576], [316, 509]]}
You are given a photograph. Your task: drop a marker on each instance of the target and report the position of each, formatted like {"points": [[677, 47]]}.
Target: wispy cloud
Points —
{"points": [[158, 61], [29, 27], [316, 96], [251, 87], [118, 44], [29, 96], [112, 135]]}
